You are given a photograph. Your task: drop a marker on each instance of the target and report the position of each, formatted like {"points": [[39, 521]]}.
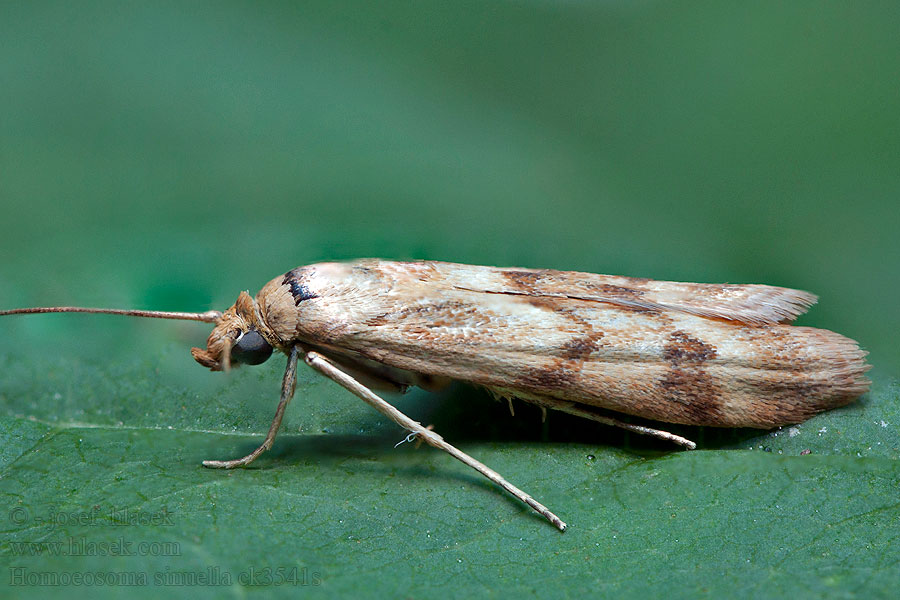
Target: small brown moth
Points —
{"points": [[691, 353]]}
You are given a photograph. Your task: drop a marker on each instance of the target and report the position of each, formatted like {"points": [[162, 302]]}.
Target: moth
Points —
{"points": [[580, 343]]}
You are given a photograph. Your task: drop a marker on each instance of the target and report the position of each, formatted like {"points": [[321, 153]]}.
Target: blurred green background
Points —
{"points": [[167, 155]]}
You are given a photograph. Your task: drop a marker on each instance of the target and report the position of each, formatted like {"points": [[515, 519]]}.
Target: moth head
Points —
{"points": [[236, 339]]}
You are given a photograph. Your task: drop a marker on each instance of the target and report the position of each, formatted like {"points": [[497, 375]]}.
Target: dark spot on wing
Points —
{"points": [[524, 280], [580, 348], [683, 348], [298, 290], [692, 395], [694, 398]]}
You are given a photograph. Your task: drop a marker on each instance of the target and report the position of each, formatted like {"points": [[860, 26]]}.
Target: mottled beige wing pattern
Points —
{"points": [[676, 352], [751, 304]]}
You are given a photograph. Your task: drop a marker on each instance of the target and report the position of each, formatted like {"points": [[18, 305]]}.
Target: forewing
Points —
{"points": [[632, 346], [751, 304]]}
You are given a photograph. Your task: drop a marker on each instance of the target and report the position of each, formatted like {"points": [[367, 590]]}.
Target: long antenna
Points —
{"points": [[210, 316]]}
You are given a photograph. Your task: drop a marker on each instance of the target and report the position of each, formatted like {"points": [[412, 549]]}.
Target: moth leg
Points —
{"points": [[321, 364], [574, 409], [288, 384]]}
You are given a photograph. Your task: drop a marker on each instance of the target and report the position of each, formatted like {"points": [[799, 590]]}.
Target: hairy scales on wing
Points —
{"points": [[678, 352]]}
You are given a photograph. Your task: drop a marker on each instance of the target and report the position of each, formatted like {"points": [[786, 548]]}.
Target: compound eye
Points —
{"points": [[251, 349]]}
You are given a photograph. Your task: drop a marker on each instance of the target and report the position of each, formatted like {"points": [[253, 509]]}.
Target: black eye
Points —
{"points": [[251, 349]]}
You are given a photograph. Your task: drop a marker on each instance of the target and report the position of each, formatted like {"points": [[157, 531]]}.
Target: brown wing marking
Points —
{"points": [[752, 304]]}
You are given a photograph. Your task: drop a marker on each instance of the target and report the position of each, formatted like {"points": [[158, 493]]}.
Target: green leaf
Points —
{"points": [[115, 461]]}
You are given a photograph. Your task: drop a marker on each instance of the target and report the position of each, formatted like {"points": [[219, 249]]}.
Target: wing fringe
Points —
{"points": [[750, 304]]}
